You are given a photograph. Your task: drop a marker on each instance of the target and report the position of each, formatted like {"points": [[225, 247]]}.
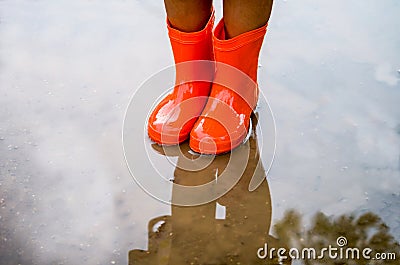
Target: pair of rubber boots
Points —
{"points": [[215, 89]]}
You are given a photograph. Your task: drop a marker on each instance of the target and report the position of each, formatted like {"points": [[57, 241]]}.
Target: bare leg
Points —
{"points": [[244, 15], [188, 15]]}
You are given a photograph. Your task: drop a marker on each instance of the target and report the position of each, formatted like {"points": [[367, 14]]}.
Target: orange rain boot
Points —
{"points": [[224, 122], [173, 118]]}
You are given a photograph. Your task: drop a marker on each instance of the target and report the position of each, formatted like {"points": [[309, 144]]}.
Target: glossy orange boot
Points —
{"points": [[173, 118], [224, 122]]}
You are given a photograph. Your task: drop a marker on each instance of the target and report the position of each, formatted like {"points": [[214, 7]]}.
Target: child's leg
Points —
{"points": [[188, 15], [237, 40], [242, 16], [190, 25]]}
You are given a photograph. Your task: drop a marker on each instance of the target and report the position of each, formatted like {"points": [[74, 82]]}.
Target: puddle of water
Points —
{"points": [[68, 70], [223, 231]]}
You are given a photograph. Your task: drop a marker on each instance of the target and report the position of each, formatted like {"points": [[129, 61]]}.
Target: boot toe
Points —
{"points": [[210, 136], [167, 135], [166, 130]]}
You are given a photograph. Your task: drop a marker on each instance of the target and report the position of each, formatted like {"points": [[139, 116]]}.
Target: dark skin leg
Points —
{"points": [[188, 15], [241, 16]]}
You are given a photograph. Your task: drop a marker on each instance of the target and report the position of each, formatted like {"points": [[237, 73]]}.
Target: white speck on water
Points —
{"points": [[156, 227], [2, 138], [192, 153], [112, 262]]}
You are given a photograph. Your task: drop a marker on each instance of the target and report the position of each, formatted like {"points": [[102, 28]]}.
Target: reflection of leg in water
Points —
{"points": [[193, 227], [248, 217], [193, 235]]}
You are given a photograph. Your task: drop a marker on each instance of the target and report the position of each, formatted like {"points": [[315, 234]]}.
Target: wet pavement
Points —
{"points": [[68, 70]]}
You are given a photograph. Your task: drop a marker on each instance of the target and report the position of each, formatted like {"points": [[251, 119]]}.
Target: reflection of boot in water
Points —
{"points": [[193, 235], [159, 230]]}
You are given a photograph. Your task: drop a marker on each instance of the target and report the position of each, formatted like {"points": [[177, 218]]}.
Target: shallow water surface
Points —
{"points": [[68, 70]]}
